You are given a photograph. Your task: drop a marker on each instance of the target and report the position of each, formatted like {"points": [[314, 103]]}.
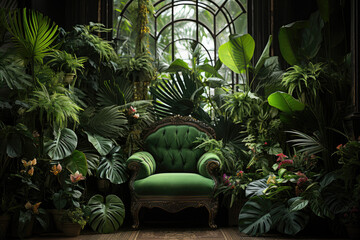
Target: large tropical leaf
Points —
{"points": [[77, 162], [256, 188], [264, 55], [108, 122], [114, 92], [255, 218], [107, 215], [63, 145], [285, 102], [288, 221], [33, 34], [113, 167], [101, 144], [237, 53], [289, 40], [176, 96]]}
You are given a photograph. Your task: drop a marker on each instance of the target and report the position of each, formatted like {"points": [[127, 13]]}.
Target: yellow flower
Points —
{"points": [[33, 162], [271, 179], [35, 207]]}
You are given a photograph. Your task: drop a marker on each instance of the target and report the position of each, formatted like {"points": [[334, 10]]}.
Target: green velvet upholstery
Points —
{"points": [[173, 148], [147, 163], [175, 184], [203, 161]]}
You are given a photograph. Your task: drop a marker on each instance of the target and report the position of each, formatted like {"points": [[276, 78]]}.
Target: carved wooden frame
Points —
{"points": [[175, 204]]}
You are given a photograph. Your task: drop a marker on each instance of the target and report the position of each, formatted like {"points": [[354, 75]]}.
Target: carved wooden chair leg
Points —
{"points": [[135, 208], [212, 209]]}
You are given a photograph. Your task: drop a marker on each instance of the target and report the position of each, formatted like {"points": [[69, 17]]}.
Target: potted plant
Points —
{"points": [[67, 63], [73, 221]]}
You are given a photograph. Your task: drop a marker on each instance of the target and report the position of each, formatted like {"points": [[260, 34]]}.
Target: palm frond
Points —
{"points": [[310, 145], [108, 122], [33, 33]]}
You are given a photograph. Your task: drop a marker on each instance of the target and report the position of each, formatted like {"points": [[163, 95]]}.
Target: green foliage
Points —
{"points": [[304, 80], [108, 122], [254, 217], [66, 62], [76, 216], [107, 215], [113, 167], [237, 53], [101, 144], [310, 145], [63, 145], [285, 102], [76, 162], [12, 73], [57, 106], [241, 105], [33, 34]]}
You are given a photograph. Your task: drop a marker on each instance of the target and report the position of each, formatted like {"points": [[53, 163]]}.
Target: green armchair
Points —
{"points": [[170, 173]]}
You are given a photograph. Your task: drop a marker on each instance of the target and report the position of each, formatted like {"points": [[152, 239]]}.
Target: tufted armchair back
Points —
{"points": [[172, 145]]}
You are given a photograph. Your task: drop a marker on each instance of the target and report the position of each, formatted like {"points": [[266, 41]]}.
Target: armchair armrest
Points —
{"points": [[142, 164], [207, 163]]}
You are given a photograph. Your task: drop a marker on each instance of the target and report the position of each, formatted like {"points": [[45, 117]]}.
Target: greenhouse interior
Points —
{"points": [[179, 119]]}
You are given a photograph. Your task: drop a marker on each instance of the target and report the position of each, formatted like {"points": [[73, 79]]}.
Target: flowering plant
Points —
{"points": [[234, 185], [70, 191]]}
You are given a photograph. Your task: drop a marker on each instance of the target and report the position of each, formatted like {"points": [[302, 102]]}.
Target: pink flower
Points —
{"points": [[286, 162], [339, 146], [76, 177], [281, 157], [265, 143]]}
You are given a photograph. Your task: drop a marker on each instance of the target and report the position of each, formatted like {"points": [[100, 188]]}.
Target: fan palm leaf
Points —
{"points": [[33, 34], [309, 144]]}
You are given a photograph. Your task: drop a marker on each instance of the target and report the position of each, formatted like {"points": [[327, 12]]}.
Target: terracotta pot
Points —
{"points": [[353, 231], [71, 229], [4, 224], [57, 215]]}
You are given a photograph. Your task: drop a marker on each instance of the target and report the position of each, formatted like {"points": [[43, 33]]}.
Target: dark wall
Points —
{"points": [[67, 13]]}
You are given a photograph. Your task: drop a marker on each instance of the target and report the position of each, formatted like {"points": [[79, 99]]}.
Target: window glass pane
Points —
{"points": [[241, 24], [220, 22], [185, 29], [233, 8], [184, 11], [163, 19], [165, 37], [206, 18], [159, 4]]}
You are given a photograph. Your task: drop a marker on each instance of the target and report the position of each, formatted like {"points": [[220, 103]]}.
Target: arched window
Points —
{"points": [[175, 25]]}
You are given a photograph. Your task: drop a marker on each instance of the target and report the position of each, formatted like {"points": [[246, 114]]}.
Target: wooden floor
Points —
{"points": [[173, 234]]}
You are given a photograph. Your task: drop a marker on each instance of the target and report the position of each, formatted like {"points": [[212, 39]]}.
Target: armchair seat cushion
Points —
{"points": [[175, 184]]}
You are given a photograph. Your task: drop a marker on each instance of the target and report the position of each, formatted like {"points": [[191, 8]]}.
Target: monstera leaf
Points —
{"points": [[256, 188], [254, 217], [101, 144], [287, 220], [113, 167], [63, 145], [107, 215]]}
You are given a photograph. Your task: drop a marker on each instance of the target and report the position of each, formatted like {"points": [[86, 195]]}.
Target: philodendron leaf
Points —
{"points": [[107, 215], [265, 55], [101, 144], [237, 53], [113, 167], [77, 162], [63, 145], [285, 102], [254, 217], [256, 188], [287, 221]]}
